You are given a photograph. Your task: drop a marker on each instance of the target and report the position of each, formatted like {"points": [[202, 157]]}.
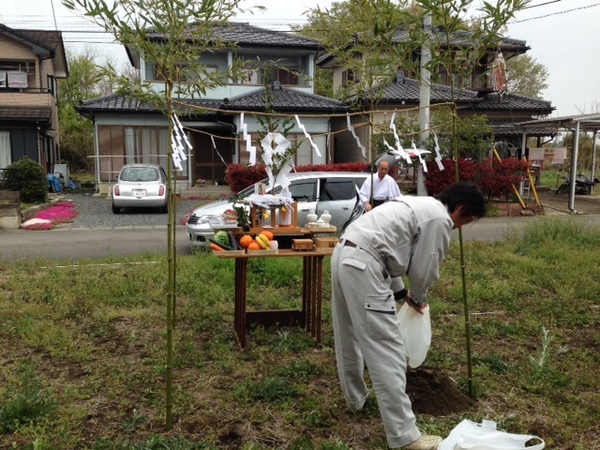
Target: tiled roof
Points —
{"points": [[125, 104], [243, 34], [284, 99], [115, 102], [462, 39], [509, 128], [459, 39], [407, 90], [50, 40], [493, 101], [26, 113]]}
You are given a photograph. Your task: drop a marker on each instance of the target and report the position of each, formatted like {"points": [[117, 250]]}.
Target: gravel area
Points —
{"points": [[96, 212]]}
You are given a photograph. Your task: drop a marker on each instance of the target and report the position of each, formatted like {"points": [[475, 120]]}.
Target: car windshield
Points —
{"points": [[139, 174]]}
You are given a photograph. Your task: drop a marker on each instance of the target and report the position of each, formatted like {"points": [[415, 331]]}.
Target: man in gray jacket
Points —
{"points": [[406, 237]]}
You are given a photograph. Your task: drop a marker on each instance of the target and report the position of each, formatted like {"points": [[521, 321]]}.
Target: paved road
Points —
{"points": [[97, 233]]}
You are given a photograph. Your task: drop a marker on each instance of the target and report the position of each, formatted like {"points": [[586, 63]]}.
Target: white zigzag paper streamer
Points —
{"points": [[249, 147], [351, 128], [179, 143], [399, 149], [392, 149], [418, 153], [181, 132], [175, 154], [281, 146], [212, 138], [438, 158], [303, 128]]}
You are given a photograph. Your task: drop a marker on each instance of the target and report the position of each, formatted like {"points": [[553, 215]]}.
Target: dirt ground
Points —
{"points": [[433, 392], [553, 203]]}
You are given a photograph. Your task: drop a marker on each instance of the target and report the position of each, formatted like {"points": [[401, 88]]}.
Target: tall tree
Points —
{"points": [[171, 36], [526, 76], [76, 134]]}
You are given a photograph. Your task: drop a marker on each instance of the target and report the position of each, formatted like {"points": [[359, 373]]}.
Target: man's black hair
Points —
{"points": [[466, 194]]}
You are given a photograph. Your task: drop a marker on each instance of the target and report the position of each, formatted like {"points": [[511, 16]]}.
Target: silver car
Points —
{"points": [[336, 192], [140, 186]]}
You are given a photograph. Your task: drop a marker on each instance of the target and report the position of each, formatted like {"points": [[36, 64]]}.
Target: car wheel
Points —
{"points": [[116, 209], [164, 209]]}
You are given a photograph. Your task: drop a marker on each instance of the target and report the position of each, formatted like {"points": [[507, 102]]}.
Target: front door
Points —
{"points": [[210, 164]]}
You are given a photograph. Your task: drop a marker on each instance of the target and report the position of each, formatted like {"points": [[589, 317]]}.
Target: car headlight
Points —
{"points": [[203, 219]]}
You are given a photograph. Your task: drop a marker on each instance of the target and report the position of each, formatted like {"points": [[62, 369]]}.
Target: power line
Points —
{"points": [[54, 15], [542, 4], [557, 13]]}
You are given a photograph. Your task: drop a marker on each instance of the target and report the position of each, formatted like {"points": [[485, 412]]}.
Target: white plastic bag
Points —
{"points": [[415, 330], [469, 435]]}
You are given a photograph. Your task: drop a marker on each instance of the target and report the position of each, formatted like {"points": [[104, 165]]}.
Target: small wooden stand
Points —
{"points": [[256, 212]]}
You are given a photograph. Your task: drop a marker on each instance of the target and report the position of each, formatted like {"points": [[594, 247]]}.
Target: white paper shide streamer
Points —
{"points": [[399, 151], [249, 147], [438, 157], [356, 138], [179, 143], [303, 128], [276, 144]]}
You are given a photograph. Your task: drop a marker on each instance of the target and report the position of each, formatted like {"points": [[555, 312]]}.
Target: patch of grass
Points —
{"points": [[25, 401], [95, 335]]}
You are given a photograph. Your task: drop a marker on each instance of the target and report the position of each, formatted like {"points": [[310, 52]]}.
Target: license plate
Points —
{"points": [[139, 193]]}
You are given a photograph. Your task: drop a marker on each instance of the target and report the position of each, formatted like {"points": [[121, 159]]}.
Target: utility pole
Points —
{"points": [[424, 99]]}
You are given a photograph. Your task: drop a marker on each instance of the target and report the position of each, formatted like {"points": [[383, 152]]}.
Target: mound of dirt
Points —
{"points": [[433, 392]]}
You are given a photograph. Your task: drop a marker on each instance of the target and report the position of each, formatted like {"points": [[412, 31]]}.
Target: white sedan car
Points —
{"points": [[140, 186], [336, 192]]}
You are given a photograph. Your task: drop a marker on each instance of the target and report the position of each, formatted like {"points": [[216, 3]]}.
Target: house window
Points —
{"points": [[148, 145], [5, 158], [186, 75], [286, 76], [52, 86], [349, 77]]}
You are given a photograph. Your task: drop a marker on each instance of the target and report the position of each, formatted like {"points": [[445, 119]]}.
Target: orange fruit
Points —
{"points": [[268, 234], [253, 246], [246, 240]]}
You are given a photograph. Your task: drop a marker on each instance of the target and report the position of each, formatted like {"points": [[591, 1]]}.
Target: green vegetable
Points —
{"points": [[222, 237]]}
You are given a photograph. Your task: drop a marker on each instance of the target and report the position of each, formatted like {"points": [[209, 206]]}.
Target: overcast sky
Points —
{"points": [[563, 36]]}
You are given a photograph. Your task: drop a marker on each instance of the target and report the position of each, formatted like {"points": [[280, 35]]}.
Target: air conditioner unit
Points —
{"points": [[17, 79]]}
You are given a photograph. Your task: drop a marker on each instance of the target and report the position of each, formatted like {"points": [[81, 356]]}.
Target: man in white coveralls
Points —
{"points": [[408, 236]]}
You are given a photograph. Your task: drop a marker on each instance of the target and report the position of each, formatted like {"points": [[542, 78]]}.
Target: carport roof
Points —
{"points": [[587, 122]]}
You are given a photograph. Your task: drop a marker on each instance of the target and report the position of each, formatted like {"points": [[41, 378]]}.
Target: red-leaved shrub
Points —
{"points": [[495, 178], [240, 176]]}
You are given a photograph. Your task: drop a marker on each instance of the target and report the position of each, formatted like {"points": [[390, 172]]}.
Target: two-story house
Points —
{"points": [[31, 62], [476, 91], [129, 131]]}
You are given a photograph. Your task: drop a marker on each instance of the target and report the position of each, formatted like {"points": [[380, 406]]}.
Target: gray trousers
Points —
{"points": [[366, 332]]}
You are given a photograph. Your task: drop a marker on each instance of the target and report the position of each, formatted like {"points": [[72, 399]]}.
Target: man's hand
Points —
{"points": [[417, 307], [368, 206]]}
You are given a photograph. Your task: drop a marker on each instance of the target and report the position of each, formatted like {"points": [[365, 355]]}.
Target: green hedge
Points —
{"points": [[28, 177]]}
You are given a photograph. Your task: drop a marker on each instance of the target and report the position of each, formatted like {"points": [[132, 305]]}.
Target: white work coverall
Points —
{"points": [[408, 237]]}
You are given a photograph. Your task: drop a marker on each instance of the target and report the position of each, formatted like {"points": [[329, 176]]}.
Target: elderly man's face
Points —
{"points": [[382, 170]]}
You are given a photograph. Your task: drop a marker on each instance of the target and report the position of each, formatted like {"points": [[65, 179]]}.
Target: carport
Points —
{"points": [[582, 123]]}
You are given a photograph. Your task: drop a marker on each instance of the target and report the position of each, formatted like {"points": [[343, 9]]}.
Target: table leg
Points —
{"points": [[307, 282], [318, 307], [241, 275], [312, 295]]}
